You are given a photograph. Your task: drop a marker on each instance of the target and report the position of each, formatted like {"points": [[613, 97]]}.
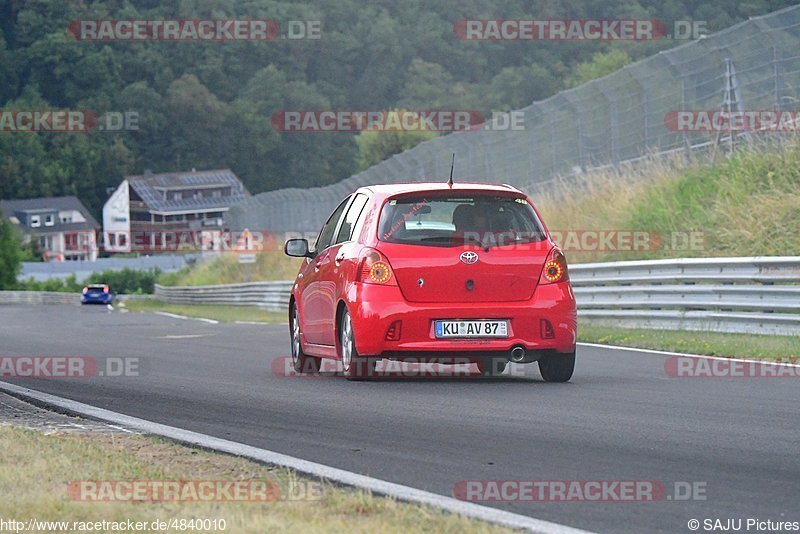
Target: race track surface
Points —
{"points": [[620, 418]]}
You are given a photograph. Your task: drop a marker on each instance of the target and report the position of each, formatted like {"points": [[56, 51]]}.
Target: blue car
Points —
{"points": [[97, 294]]}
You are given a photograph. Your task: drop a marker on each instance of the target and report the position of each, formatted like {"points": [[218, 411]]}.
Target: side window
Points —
{"points": [[349, 222], [326, 234]]}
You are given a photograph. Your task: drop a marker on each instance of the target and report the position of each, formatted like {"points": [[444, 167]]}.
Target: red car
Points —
{"points": [[433, 272]]}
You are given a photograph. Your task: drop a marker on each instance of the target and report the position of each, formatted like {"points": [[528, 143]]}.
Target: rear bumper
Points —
{"points": [[95, 300], [373, 309]]}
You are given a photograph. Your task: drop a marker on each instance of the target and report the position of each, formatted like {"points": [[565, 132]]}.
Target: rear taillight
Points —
{"points": [[105, 289], [555, 268], [85, 290], [374, 268]]}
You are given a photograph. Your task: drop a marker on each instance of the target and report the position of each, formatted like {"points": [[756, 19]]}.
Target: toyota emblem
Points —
{"points": [[469, 257]]}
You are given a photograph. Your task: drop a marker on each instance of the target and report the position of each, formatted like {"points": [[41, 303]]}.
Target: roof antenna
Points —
{"points": [[452, 164]]}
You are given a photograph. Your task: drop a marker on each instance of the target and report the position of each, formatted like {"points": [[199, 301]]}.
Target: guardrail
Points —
{"points": [[38, 297], [745, 295], [272, 296]]}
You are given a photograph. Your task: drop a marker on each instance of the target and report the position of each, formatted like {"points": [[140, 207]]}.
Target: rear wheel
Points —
{"points": [[355, 367], [301, 362], [556, 367], [492, 366]]}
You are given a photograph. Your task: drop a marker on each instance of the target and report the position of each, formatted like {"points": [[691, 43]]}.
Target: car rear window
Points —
{"points": [[97, 288], [459, 219]]}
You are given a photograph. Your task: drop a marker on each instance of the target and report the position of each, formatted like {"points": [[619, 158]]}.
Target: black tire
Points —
{"points": [[354, 366], [557, 367], [492, 366], [301, 362]]}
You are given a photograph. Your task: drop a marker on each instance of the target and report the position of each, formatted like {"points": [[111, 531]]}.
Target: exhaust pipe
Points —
{"points": [[518, 354]]}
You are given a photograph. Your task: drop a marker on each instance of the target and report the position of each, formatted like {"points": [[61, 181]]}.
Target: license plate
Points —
{"points": [[445, 329]]}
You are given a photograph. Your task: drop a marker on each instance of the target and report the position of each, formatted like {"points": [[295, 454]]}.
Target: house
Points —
{"points": [[63, 226], [145, 210]]}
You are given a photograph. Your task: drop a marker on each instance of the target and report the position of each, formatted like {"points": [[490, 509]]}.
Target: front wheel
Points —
{"points": [[354, 366], [556, 367]]}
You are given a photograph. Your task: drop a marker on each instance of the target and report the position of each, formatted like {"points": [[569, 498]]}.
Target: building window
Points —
{"points": [[48, 220], [36, 221]]}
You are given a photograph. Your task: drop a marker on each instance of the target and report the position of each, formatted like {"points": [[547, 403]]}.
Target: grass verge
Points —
{"points": [[270, 265], [706, 343], [36, 469], [747, 205], [224, 314]]}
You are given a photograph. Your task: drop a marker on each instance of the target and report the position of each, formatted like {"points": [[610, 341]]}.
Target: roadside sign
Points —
{"points": [[247, 258]]}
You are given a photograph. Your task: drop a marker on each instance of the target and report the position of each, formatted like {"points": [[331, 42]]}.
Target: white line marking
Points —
{"points": [[375, 485], [185, 336], [667, 353], [176, 316]]}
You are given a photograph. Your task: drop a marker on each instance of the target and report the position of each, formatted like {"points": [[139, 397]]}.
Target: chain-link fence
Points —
{"points": [[754, 65]]}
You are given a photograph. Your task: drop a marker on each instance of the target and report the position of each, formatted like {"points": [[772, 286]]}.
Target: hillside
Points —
{"points": [[208, 105]]}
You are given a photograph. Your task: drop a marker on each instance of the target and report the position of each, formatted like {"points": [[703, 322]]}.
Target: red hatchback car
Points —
{"points": [[433, 272]]}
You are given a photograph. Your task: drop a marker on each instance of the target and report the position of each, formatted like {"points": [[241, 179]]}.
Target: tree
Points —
{"points": [[375, 146], [10, 254], [602, 63]]}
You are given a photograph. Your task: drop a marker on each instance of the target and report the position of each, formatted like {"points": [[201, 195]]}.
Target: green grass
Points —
{"points": [[226, 269], [707, 343], [748, 205], [37, 467], [225, 314]]}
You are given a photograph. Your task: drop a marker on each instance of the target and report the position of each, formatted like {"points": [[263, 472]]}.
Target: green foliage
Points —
{"points": [[601, 64], [746, 205], [127, 281], [124, 282], [68, 284], [209, 105], [226, 269], [376, 146], [32, 251], [10, 254]]}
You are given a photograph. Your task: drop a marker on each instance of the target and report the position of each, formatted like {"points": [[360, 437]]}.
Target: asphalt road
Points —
{"points": [[620, 418]]}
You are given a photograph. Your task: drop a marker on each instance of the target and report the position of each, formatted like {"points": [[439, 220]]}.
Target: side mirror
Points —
{"points": [[297, 248]]}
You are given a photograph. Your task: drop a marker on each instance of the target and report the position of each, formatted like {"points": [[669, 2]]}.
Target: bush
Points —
{"points": [[127, 281], [10, 254], [62, 285]]}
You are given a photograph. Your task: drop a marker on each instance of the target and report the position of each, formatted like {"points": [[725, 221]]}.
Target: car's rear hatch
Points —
{"points": [[438, 274], [463, 247]]}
